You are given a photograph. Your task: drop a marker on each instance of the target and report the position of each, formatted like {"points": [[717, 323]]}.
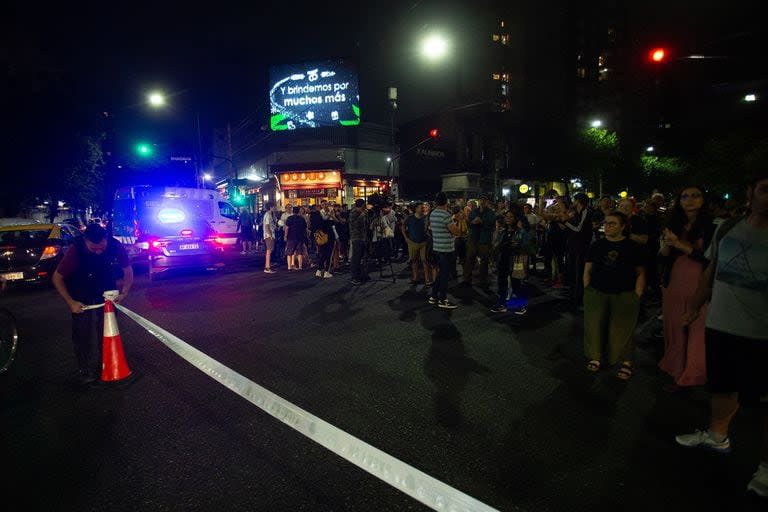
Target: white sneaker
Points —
{"points": [[759, 482], [269, 271], [327, 275], [702, 439], [243, 252], [319, 273]]}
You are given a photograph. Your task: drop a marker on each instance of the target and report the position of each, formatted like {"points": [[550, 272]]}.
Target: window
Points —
{"points": [[227, 211], [581, 72], [505, 39], [495, 37], [496, 76]]}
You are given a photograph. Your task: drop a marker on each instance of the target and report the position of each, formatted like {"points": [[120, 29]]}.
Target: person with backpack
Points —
{"points": [[736, 285]]}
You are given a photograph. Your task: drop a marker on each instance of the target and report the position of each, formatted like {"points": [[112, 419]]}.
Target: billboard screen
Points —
{"points": [[314, 94]]}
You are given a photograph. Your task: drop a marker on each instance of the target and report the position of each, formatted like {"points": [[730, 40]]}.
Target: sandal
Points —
{"points": [[625, 372], [593, 365]]}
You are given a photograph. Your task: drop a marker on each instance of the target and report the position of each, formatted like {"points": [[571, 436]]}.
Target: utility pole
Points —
{"points": [[229, 150], [392, 97]]}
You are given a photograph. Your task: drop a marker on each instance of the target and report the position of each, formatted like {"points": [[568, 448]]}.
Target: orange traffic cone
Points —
{"points": [[113, 365]]}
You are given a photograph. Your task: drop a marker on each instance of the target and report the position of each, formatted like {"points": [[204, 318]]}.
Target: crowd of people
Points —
{"points": [[701, 260]]}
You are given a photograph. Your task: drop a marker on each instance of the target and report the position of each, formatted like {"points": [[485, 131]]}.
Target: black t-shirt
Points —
{"points": [[614, 264], [297, 228], [638, 225]]}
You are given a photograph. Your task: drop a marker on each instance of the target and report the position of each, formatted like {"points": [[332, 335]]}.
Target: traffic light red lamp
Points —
{"points": [[657, 55]]}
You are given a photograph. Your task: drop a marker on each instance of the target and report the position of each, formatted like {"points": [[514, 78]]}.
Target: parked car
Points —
{"points": [[31, 253], [16, 221]]}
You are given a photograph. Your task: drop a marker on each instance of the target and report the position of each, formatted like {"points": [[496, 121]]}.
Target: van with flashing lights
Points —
{"points": [[173, 227]]}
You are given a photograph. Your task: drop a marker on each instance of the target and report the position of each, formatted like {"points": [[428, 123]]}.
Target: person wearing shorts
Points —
{"points": [[296, 239], [414, 231], [736, 335], [270, 228]]}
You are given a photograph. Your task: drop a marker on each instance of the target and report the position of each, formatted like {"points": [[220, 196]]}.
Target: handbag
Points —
{"points": [[520, 266], [321, 237]]}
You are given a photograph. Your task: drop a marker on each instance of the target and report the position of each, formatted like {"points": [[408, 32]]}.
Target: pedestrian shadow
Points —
{"points": [[449, 368], [552, 448]]}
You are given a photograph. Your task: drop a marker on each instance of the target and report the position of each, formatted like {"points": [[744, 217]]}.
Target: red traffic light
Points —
{"points": [[657, 55], [434, 132]]}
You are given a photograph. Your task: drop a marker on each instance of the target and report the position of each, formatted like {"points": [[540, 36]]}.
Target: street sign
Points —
{"points": [[181, 159]]}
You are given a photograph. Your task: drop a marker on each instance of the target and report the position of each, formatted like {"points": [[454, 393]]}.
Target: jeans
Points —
{"points": [[87, 330], [358, 248], [444, 262], [475, 250]]}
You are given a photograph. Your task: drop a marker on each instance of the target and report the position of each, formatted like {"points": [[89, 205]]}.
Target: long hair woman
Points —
{"points": [[687, 235]]}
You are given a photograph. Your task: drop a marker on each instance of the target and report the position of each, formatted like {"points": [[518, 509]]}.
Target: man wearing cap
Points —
{"points": [[481, 222], [84, 274]]}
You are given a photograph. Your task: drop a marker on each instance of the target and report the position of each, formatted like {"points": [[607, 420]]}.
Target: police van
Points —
{"points": [[172, 227]]}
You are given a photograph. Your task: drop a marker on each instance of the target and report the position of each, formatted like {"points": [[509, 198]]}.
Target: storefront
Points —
{"points": [[362, 187], [310, 186]]}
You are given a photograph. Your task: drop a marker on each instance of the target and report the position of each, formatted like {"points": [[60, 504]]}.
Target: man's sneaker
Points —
{"points": [[355, 282], [432, 300], [269, 271], [446, 304], [319, 273], [521, 311], [499, 309], [702, 439], [327, 275], [759, 482], [243, 253]]}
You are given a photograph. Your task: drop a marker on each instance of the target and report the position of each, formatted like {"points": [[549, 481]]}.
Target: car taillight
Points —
{"points": [[49, 252], [186, 232], [218, 240]]}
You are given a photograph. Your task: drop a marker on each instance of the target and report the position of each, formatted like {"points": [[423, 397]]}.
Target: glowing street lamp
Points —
{"points": [[750, 98], [156, 99], [434, 47], [596, 123], [650, 149], [207, 177]]}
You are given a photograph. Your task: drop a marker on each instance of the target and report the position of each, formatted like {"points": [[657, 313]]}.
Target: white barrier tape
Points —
{"points": [[418, 485], [94, 306]]}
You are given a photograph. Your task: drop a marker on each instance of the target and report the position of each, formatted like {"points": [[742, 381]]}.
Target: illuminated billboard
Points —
{"points": [[314, 94]]}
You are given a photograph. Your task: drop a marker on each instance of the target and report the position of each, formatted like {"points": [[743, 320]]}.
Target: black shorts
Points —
{"points": [[294, 247], [246, 235], [737, 365]]}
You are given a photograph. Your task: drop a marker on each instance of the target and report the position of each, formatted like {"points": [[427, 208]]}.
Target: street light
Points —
{"points": [[207, 177], [156, 99], [750, 97], [597, 123], [434, 47], [650, 149]]}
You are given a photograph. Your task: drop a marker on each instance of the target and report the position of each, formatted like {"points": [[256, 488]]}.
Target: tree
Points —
{"points": [[596, 153], [83, 183], [726, 160], [665, 172]]}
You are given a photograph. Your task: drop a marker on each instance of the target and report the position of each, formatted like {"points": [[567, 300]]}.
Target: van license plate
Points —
{"points": [[13, 276], [186, 247]]}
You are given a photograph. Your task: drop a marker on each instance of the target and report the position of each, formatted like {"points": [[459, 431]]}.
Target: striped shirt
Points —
{"points": [[442, 241]]}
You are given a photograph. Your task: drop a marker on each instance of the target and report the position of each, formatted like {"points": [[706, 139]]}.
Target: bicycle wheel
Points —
{"points": [[9, 340]]}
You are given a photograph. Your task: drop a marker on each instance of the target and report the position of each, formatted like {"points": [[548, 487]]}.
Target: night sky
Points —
{"points": [[213, 59]]}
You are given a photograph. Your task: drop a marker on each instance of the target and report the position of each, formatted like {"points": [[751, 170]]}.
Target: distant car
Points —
{"points": [[74, 222], [16, 221], [96, 220], [31, 253]]}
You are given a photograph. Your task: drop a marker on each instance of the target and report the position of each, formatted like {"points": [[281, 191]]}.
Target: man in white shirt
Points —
{"points": [[270, 229]]}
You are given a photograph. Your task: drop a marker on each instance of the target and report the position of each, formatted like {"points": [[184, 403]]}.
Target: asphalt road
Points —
{"points": [[499, 407]]}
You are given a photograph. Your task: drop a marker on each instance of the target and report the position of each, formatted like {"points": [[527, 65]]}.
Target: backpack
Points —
{"points": [[321, 237]]}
